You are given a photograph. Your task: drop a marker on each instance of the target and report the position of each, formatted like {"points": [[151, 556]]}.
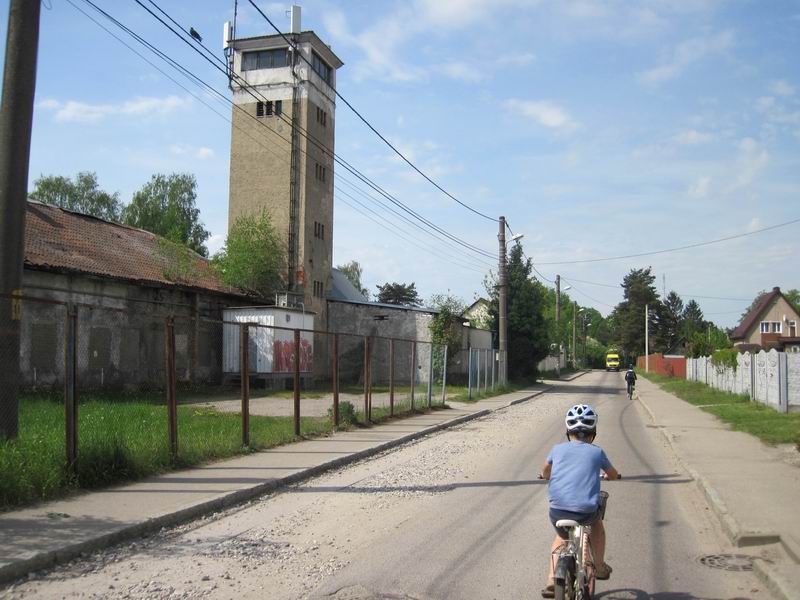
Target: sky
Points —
{"points": [[597, 128]]}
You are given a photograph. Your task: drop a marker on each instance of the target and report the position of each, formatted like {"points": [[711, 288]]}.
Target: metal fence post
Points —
{"points": [[297, 382], [469, 374], [71, 385], [478, 372], [391, 377], [430, 377], [444, 377], [494, 362], [413, 371], [486, 371], [335, 379], [244, 369], [172, 398], [366, 379]]}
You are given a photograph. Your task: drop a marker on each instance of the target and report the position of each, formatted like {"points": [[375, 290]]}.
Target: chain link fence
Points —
{"points": [[108, 394]]}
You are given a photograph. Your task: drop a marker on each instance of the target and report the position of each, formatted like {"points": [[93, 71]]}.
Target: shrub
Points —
{"points": [[725, 358], [347, 413]]}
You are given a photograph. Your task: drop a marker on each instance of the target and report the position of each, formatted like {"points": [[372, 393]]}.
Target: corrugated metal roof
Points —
{"points": [[62, 240]]}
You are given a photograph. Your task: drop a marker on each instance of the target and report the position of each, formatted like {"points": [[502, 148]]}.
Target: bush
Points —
{"points": [[347, 413], [725, 358]]}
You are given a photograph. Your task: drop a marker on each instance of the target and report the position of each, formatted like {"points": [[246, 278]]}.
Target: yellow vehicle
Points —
{"points": [[612, 361]]}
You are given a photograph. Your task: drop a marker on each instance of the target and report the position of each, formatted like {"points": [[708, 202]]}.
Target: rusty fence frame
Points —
{"points": [[71, 387]]}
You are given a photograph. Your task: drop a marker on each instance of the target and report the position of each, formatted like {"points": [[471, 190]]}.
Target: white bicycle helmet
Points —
{"points": [[581, 418]]}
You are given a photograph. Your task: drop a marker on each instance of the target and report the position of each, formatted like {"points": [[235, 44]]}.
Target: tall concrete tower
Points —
{"points": [[281, 145]]}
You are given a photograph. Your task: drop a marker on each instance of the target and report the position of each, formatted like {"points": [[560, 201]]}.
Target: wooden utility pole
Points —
{"points": [[502, 294], [16, 119]]}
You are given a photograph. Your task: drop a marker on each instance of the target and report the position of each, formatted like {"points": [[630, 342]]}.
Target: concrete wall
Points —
{"points": [[121, 329], [772, 378], [369, 320]]}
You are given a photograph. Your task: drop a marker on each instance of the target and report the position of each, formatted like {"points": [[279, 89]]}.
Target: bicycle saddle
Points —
{"points": [[566, 523]]}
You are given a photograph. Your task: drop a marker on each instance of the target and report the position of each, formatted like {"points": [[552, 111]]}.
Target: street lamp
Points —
{"points": [[575, 313]]}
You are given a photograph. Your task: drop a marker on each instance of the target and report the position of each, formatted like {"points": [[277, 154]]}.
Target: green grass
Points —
{"points": [[552, 374], [123, 441], [738, 410], [463, 395]]}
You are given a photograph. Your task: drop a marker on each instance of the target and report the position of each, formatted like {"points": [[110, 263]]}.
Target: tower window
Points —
{"points": [[319, 230], [319, 289], [321, 172], [269, 108], [321, 68], [322, 117], [264, 59]]}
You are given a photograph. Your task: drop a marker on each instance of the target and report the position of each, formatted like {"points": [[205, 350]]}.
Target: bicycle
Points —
{"points": [[574, 567], [631, 388]]}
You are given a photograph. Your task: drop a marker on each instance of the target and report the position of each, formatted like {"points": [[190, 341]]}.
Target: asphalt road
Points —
{"points": [[457, 515]]}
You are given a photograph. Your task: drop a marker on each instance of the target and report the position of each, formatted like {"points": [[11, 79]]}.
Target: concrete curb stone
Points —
{"points": [[19, 569]]}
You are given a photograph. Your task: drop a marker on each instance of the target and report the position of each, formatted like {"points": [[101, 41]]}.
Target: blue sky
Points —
{"points": [[598, 128]]}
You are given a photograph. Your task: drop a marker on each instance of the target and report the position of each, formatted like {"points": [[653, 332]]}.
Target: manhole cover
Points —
{"points": [[728, 562]]}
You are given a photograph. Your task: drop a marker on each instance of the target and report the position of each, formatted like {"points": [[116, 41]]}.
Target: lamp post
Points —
{"points": [[558, 322], [502, 276], [575, 313], [646, 339]]}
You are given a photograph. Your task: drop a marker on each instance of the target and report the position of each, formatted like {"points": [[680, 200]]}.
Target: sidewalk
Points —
{"points": [[58, 531], [752, 489]]}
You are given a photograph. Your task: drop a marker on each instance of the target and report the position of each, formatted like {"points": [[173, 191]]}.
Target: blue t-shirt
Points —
{"points": [[575, 478]]}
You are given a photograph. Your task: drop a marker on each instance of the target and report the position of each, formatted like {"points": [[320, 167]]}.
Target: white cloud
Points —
{"points": [[687, 53], [782, 87], [544, 112], [754, 225], [73, 111], [462, 72], [199, 152], [520, 59], [215, 242], [692, 137], [699, 187], [751, 160]]}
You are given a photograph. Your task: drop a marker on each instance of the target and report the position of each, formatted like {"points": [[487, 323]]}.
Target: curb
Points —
{"points": [[737, 536], [21, 568], [572, 377]]}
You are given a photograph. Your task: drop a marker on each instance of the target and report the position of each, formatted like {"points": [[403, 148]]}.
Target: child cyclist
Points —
{"points": [[573, 468]]}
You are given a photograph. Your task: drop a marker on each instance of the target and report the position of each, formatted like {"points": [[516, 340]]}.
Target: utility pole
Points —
{"points": [[646, 339], [16, 118], [558, 325], [502, 294], [574, 347]]}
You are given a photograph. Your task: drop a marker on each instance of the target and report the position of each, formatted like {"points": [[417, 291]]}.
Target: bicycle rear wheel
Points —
{"points": [[565, 588]]}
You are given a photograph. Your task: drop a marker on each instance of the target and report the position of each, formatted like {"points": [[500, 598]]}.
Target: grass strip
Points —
{"points": [[738, 410], [124, 441]]}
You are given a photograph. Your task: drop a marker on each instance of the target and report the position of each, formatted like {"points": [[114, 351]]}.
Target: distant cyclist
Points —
{"points": [[630, 379], [573, 469]]}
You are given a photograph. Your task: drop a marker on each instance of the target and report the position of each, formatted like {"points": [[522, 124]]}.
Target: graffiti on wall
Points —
{"points": [[283, 356]]}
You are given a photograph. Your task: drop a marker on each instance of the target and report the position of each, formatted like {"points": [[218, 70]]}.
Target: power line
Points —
{"points": [[200, 82], [676, 249], [252, 92], [371, 127]]}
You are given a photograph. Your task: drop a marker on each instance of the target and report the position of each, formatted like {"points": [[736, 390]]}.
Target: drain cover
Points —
{"points": [[728, 562]]}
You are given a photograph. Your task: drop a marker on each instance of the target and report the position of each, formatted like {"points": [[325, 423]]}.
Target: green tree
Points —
{"points": [[638, 290], [447, 326], [693, 319], [404, 294], [166, 206], [353, 272], [528, 340], [699, 345], [672, 323], [793, 296], [753, 304], [81, 195], [253, 257]]}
